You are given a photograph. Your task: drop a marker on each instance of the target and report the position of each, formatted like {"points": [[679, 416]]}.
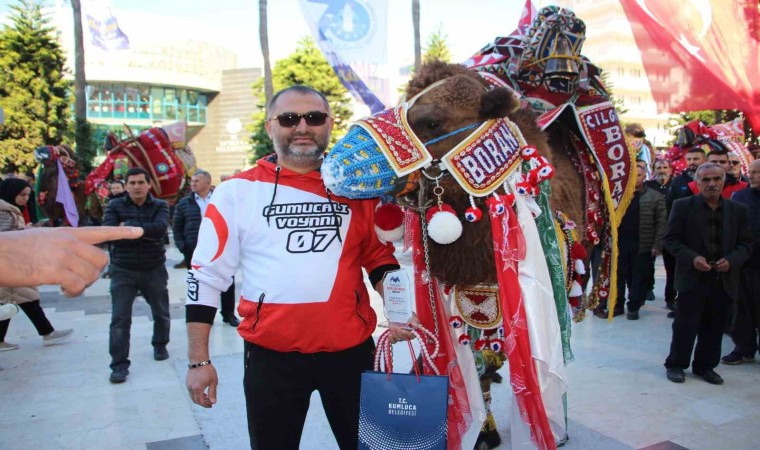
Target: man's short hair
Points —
{"points": [[705, 166], [301, 89], [202, 173], [137, 171], [718, 153], [696, 150], [662, 161]]}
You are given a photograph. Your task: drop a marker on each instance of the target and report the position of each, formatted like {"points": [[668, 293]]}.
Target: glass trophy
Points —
{"points": [[398, 294]]}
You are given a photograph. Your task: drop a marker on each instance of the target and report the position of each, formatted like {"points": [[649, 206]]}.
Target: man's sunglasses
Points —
{"points": [[734, 163], [291, 120]]}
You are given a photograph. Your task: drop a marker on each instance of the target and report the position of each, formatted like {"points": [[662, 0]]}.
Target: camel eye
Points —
{"points": [[433, 125]]}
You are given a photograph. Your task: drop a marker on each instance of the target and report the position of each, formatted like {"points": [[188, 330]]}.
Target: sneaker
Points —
{"points": [[160, 353], [735, 358], [56, 337], [8, 310], [7, 346], [119, 376], [650, 296]]}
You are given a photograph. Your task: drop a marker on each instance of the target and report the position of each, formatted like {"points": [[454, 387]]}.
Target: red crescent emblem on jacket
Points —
{"points": [[220, 226]]}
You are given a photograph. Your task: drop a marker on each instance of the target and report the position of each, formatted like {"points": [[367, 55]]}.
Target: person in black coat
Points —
{"points": [[138, 265], [188, 215], [661, 183], [747, 319], [711, 239]]}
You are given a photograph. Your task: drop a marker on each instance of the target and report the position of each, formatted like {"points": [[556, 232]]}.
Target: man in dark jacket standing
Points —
{"points": [[661, 183], [187, 221], [747, 319], [138, 265], [711, 238], [639, 240]]}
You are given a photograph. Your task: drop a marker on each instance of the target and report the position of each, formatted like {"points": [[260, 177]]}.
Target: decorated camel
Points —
{"points": [[463, 289], [157, 150], [495, 248]]}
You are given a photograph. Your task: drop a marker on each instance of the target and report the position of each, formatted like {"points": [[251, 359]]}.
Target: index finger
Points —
{"points": [[96, 235]]}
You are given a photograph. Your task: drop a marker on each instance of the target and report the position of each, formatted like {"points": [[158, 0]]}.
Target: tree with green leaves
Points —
{"points": [[307, 66], [33, 92], [437, 48]]}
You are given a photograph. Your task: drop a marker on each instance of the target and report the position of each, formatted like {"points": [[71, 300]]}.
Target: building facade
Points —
{"points": [[160, 80]]}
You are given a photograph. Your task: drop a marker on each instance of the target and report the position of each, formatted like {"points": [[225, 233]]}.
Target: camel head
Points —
{"points": [[447, 98], [447, 105]]}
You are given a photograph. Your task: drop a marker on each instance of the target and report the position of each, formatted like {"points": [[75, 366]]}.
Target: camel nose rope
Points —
{"points": [[448, 135]]}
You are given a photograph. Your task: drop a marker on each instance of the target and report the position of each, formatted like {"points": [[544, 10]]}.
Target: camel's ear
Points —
{"points": [[497, 103]]}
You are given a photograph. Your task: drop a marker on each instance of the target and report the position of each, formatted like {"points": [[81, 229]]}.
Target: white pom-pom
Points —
{"points": [[444, 226], [575, 290], [579, 267]]}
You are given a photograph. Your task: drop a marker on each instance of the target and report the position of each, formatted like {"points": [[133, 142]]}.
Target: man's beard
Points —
{"points": [[301, 153]]}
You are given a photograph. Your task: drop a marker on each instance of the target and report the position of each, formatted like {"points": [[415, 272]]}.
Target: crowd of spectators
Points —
{"points": [[705, 224]]}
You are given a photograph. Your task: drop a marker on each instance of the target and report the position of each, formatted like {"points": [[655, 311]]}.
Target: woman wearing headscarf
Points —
{"points": [[14, 194]]}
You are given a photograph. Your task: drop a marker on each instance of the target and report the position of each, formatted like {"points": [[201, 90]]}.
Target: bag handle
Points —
{"points": [[385, 352]]}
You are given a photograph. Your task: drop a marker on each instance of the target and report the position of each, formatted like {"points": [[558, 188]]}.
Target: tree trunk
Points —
{"points": [[264, 40], [416, 25], [80, 105], [82, 130]]}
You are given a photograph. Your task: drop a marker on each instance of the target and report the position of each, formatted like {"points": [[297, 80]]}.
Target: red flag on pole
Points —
{"points": [[699, 54]]}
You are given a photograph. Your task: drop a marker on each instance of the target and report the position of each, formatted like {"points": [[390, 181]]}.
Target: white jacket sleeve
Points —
{"points": [[217, 253]]}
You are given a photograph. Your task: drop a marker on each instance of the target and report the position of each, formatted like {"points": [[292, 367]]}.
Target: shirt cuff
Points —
{"points": [[379, 272]]}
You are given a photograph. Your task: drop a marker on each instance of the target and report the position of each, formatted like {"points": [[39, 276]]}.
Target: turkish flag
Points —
{"points": [[699, 54]]}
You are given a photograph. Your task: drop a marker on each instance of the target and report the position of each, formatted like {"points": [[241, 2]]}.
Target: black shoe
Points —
{"points": [[119, 375], [618, 312], [650, 296], [633, 315], [160, 353], [676, 375], [232, 320], [180, 265], [670, 305], [735, 358], [709, 375], [600, 313], [671, 314]]}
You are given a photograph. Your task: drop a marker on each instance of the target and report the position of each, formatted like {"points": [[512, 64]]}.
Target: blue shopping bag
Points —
{"points": [[402, 411]]}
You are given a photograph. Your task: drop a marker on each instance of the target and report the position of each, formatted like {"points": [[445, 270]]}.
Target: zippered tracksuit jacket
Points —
{"points": [[300, 250]]}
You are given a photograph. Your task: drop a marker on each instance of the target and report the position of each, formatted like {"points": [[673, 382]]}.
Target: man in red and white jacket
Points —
{"points": [[307, 320]]}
